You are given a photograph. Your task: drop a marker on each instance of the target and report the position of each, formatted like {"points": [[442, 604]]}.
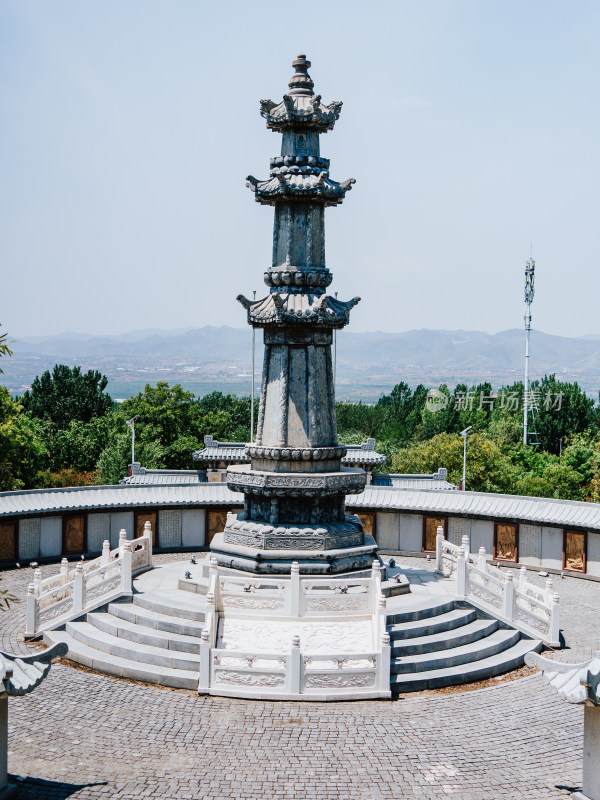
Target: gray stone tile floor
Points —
{"points": [[83, 735]]}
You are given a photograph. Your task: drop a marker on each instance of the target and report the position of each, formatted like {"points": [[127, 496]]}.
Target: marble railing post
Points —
{"points": [[508, 607], [37, 580], [79, 588], [522, 579], [375, 583], [439, 544], [148, 533], [385, 662], [32, 611], [461, 573], [555, 621], [293, 676], [64, 569], [211, 617], [105, 557], [204, 680], [126, 567], [294, 588], [122, 540], [214, 585], [481, 559], [466, 546]]}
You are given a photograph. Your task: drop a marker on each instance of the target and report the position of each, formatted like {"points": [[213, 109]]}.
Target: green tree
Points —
{"points": [[22, 451], [564, 410], [113, 461], [4, 348], [488, 469], [174, 418], [237, 409], [67, 394], [78, 446]]}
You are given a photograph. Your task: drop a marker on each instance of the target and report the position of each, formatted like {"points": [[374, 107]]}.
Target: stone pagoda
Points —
{"points": [[294, 487]]}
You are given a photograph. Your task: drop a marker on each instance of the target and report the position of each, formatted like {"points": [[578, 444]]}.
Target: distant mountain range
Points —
{"points": [[368, 364]]}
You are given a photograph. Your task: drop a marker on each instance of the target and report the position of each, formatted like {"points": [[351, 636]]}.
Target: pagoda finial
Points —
{"points": [[301, 82]]}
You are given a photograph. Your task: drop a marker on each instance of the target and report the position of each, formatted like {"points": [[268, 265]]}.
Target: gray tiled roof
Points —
{"points": [[532, 510], [406, 481], [44, 501], [230, 452], [165, 477], [234, 453], [401, 482]]}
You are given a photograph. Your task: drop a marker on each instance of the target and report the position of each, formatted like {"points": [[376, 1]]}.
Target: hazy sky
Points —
{"points": [[129, 126]]}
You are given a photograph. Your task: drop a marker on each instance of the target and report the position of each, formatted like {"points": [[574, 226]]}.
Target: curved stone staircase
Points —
{"points": [[146, 639], [155, 637], [450, 643]]}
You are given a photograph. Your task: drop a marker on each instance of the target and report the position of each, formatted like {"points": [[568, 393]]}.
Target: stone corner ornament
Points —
{"points": [[579, 683]]}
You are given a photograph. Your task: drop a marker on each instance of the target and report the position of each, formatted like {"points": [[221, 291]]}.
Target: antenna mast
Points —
{"points": [[529, 292]]}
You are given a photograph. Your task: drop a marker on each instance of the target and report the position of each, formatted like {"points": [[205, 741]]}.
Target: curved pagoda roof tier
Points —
{"points": [[295, 308]]}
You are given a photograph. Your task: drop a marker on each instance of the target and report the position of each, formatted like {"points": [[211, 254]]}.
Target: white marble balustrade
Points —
{"points": [[337, 668], [519, 603], [74, 591]]}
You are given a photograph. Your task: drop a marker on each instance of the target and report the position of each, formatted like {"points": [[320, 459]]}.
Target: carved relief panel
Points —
{"points": [[29, 538], [8, 541], [457, 528], [505, 542], [74, 534], [430, 526], [141, 518], [170, 528], [215, 522], [369, 523], [574, 551]]}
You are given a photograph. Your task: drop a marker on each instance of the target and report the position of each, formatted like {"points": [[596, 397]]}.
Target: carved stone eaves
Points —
{"points": [[298, 309], [299, 183], [301, 111], [575, 683]]}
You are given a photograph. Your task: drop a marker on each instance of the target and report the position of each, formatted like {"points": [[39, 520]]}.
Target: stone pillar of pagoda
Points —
{"points": [[294, 488]]}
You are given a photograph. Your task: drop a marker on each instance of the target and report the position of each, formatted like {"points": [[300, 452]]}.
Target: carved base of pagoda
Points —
{"points": [[278, 562], [327, 536]]}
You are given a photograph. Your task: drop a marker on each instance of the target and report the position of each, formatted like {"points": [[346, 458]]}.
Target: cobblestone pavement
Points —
{"points": [[82, 735]]}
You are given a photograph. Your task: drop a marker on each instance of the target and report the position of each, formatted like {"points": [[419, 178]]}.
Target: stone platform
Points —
{"points": [[156, 636], [72, 738]]}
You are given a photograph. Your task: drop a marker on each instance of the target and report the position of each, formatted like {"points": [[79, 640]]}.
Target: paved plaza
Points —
{"points": [[83, 735]]}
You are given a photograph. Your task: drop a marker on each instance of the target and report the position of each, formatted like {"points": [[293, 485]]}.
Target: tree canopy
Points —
{"points": [[67, 395], [67, 431]]}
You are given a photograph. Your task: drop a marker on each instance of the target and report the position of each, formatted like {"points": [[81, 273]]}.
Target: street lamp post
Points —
{"points": [[464, 434], [131, 423], [252, 381]]}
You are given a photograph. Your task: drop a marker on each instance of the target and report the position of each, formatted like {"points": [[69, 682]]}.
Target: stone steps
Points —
{"points": [[134, 632], [169, 606], [465, 634], [133, 651], [154, 620], [447, 644], [122, 667], [429, 626], [420, 610], [479, 670], [495, 643]]}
